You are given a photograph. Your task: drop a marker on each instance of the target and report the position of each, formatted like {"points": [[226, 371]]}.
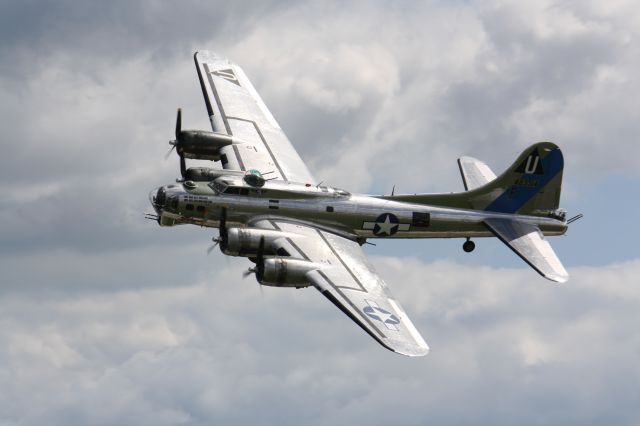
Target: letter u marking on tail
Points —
{"points": [[529, 168]]}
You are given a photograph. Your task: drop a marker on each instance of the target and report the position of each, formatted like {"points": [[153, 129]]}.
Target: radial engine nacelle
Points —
{"points": [[246, 242], [285, 272], [199, 144]]}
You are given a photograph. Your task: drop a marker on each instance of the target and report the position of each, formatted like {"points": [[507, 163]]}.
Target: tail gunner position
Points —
{"points": [[269, 208]]}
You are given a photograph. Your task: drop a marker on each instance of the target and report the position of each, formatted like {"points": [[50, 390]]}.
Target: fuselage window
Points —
{"points": [[420, 219], [330, 209]]}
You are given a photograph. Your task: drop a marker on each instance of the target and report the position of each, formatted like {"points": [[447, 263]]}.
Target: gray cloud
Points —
{"points": [[107, 319], [507, 347], [434, 83], [485, 80], [120, 29]]}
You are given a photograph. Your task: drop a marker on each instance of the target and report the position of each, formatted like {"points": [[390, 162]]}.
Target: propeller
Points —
{"points": [[259, 268], [216, 241], [223, 233], [173, 146], [248, 272], [179, 124], [178, 141]]}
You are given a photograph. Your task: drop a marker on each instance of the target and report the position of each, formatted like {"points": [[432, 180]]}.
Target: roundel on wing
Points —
{"points": [[381, 315]]}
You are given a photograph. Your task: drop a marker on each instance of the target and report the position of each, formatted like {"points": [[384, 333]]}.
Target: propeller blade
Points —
{"points": [[183, 167], [216, 242], [250, 271], [166, 156], [260, 261], [260, 256], [222, 233], [259, 268], [223, 224], [179, 124]]}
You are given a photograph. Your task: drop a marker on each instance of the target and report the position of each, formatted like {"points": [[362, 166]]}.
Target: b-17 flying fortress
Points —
{"points": [[298, 233]]}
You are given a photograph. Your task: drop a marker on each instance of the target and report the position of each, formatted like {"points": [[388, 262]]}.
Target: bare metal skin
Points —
{"points": [[269, 208]]}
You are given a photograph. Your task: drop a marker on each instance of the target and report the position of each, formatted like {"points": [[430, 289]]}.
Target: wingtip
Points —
{"points": [[560, 279], [411, 350], [197, 55], [559, 275], [413, 353], [420, 353], [207, 55], [202, 53]]}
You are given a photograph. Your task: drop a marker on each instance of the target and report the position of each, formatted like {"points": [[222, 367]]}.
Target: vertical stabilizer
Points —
{"points": [[530, 186]]}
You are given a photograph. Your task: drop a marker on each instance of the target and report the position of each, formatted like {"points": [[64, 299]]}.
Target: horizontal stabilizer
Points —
{"points": [[474, 173], [527, 241]]}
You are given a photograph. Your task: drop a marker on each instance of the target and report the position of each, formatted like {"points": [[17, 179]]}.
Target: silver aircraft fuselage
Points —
{"points": [[267, 207], [356, 216]]}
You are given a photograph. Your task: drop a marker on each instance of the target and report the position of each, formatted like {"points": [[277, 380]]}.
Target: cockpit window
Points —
{"points": [[222, 187]]}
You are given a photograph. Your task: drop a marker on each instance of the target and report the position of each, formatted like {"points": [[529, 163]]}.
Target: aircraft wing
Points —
{"points": [[527, 242], [235, 109], [474, 173], [345, 277]]}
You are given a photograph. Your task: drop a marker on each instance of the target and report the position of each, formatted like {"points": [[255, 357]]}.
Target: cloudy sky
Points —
{"points": [[106, 319]]}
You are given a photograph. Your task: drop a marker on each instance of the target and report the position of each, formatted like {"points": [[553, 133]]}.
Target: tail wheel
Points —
{"points": [[468, 246]]}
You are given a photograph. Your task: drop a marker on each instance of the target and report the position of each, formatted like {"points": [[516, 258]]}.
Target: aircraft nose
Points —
{"points": [[158, 197]]}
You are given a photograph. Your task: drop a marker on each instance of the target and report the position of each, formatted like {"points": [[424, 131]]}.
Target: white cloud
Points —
{"points": [[198, 351], [107, 319], [435, 83]]}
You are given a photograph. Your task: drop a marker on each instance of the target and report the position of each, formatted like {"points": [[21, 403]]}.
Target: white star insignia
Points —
{"points": [[384, 317], [386, 227]]}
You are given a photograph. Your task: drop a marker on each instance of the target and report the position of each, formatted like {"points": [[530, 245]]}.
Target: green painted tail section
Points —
{"points": [[530, 186]]}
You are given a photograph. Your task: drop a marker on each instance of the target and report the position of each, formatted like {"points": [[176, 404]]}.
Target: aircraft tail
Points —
{"points": [[531, 186]]}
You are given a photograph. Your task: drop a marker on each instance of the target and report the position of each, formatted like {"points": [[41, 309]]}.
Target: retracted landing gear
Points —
{"points": [[468, 245]]}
